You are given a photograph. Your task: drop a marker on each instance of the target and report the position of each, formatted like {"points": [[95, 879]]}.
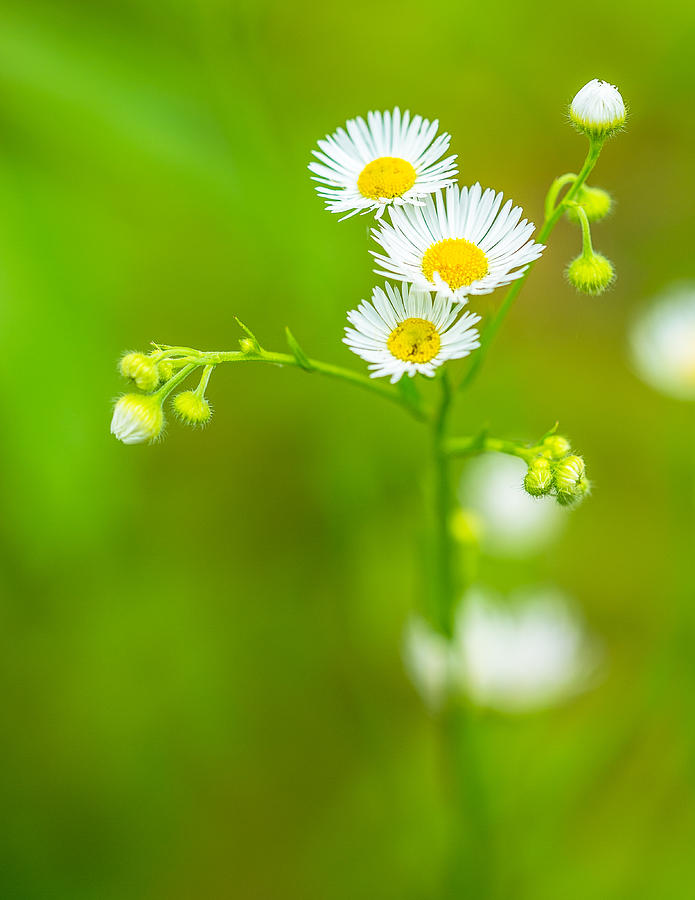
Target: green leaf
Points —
{"points": [[297, 352], [409, 392], [247, 331]]}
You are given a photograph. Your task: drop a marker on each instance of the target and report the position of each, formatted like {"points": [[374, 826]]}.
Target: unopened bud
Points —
{"points": [[539, 478], [137, 418], [248, 345], [598, 110], [556, 447], [142, 369], [595, 202], [571, 482], [166, 370], [591, 274], [192, 409]]}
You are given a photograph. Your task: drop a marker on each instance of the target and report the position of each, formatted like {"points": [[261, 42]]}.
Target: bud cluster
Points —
{"points": [[139, 418], [556, 471], [598, 111]]}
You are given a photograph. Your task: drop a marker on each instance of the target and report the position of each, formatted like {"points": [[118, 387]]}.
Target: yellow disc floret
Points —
{"points": [[414, 340], [458, 262], [386, 177]]}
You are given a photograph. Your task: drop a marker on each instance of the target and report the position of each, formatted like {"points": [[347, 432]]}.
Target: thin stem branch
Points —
{"points": [[550, 222], [467, 446], [215, 358]]}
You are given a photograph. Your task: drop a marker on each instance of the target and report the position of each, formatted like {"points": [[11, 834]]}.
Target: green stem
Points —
{"points": [[174, 381], [550, 222], [471, 868], [587, 247], [467, 446], [445, 582], [215, 358], [555, 188]]}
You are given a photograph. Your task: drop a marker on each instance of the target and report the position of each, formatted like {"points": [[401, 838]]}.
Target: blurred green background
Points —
{"points": [[200, 642]]}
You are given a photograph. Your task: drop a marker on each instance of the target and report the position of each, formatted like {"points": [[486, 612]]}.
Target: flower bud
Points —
{"points": [[598, 110], [556, 447], [137, 418], [192, 409], [248, 345], [591, 274], [539, 478], [166, 370], [595, 202], [571, 482], [142, 369]]}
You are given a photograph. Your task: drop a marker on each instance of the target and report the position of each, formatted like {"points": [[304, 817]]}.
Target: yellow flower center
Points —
{"points": [[387, 176], [459, 262], [414, 340]]}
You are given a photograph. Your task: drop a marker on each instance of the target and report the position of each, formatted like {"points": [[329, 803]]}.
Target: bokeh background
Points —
{"points": [[201, 640]]}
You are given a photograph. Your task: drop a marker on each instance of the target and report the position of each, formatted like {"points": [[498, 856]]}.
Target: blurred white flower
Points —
{"points": [[662, 343], [513, 523], [527, 653], [524, 653]]}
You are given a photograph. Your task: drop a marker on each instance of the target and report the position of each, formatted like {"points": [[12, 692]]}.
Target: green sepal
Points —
{"points": [[409, 392], [301, 357], [247, 331]]}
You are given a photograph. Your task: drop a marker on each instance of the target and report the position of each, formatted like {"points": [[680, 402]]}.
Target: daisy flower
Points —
{"points": [[389, 159], [459, 243], [402, 332]]}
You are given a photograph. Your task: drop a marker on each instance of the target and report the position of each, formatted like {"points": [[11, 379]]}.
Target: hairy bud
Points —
{"points": [[192, 409], [539, 478], [591, 273], [142, 369]]}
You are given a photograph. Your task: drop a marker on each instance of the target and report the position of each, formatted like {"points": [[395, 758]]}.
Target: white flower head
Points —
{"points": [[389, 159], [137, 418], [598, 109], [529, 651], [662, 341], [526, 653], [460, 243], [403, 331], [513, 524]]}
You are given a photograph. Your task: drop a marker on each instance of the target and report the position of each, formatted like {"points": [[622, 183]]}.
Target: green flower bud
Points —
{"points": [[248, 345], [556, 447], [142, 369], [192, 409], [166, 370], [591, 274], [137, 418], [595, 202], [539, 478], [571, 482]]}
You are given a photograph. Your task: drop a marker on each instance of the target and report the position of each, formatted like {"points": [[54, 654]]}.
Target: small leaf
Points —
{"points": [[409, 392], [247, 331], [297, 352]]}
